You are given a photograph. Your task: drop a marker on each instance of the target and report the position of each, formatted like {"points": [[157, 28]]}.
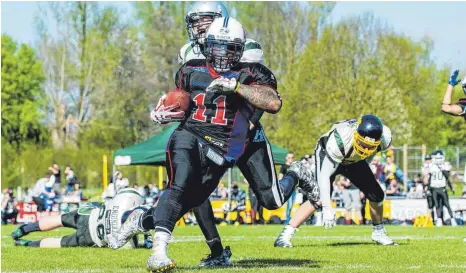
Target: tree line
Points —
{"points": [[87, 86]]}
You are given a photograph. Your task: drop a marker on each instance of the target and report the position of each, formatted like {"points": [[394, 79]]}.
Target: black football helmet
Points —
{"points": [[367, 136]]}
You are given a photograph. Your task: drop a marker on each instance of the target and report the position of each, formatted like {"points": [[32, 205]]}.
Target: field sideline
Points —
{"points": [[342, 249]]}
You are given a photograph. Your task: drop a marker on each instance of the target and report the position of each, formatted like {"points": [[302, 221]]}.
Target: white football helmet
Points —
{"points": [[200, 16], [438, 157], [224, 43]]}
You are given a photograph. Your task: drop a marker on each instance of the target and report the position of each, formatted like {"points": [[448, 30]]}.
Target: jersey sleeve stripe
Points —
{"points": [[340, 144]]}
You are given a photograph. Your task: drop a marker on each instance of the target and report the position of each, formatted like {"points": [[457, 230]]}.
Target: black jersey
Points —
{"points": [[462, 104], [221, 120]]}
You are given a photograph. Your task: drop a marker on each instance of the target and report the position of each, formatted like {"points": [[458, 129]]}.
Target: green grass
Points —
{"points": [[342, 249]]}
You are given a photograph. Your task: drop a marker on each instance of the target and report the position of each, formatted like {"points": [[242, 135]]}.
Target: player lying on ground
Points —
{"points": [[344, 150], [436, 178], [214, 131], [93, 225], [256, 163]]}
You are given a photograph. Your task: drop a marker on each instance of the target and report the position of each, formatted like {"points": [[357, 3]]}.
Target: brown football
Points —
{"points": [[178, 96]]}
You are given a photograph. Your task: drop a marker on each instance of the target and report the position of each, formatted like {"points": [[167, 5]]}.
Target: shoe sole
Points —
{"points": [[282, 246], [392, 244], [166, 268]]}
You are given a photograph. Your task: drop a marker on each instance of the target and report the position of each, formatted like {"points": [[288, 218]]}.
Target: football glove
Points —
{"points": [[164, 114], [223, 85], [453, 81], [328, 216]]}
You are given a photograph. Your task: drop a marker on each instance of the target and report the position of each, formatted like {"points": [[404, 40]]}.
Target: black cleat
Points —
{"points": [[222, 260]]}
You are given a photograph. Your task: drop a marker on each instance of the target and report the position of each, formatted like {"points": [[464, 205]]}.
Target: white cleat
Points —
{"points": [[160, 263], [129, 228], [284, 239], [380, 237], [453, 222], [439, 223]]}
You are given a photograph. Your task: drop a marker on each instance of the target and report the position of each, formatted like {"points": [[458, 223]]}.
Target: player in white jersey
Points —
{"points": [[93, 224], [437, 180], [346, 149], [425, 174]]}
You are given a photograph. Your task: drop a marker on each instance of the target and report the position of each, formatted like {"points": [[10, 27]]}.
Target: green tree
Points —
{"points": [[22, 93]]}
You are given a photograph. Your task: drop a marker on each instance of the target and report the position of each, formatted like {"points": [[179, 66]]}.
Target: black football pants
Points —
{"points": [[258, 168], [192, 178]]}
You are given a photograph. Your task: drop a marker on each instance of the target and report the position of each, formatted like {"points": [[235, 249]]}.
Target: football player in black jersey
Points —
{"points": [[214, 131], [458, 109]]}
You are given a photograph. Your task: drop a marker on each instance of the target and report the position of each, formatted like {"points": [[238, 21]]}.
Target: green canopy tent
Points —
{"points": [[152, 151]]}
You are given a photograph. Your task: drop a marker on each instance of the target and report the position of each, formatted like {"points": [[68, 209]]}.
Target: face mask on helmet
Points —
{"points": [[197, 26], [223, 55], [364, 146], [199, 18], [438, 157], [367, 137]]}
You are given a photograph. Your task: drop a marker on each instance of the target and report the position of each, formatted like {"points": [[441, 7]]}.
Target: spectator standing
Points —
{"points": [[56, 177], [38, 191], [70, 179], [9, 211], [351, 200], [283, 170]]}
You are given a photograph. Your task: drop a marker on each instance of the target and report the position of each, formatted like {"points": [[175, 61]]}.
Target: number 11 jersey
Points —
{"points": [[220, 119]]}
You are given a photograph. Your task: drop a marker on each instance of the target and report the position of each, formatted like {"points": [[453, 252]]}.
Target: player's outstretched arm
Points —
{"points": [[447, 107], [261, 96]]}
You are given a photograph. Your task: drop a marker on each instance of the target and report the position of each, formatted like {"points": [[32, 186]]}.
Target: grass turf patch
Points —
{"points": [[341, 249]]}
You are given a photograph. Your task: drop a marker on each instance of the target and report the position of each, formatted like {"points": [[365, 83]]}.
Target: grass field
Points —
{"points": [[342, 249]]}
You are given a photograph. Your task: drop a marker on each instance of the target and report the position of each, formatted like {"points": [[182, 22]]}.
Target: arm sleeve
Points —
{"points": [[327, 169], [447, 178]]}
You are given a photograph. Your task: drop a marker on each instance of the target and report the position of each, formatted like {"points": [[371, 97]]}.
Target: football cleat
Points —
{"points": [[222, 260], [129, 228], [439, 222], [284, 239], [22, 242], [380, 237], [307, 181], [160, 263], [18, 232]]}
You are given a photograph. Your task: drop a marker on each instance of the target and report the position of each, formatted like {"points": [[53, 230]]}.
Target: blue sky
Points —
{"points": [[443, 21]]}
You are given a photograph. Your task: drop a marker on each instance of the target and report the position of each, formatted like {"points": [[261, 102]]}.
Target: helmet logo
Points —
{"points": [[224, 30]]}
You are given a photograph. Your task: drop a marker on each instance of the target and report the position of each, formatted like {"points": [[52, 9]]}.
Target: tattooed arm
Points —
{"points": [[261, 96]]}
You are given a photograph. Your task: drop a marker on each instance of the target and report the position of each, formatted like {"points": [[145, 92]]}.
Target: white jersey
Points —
{"points": [[252, 53], [106, 219], [338, 142], [436, 177]]}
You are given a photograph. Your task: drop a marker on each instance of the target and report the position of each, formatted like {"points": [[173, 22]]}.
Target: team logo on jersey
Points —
{"points": [[259, 137]]}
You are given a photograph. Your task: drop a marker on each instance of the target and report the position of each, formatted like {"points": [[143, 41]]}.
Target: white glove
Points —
{"points": [[328, 217], [164, 114], [223, 85]]}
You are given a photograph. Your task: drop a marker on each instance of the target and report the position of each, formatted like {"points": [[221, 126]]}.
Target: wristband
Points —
{"points": [[237, 87]]}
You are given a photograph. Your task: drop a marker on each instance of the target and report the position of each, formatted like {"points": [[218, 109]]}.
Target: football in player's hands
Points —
{"points": [[177, 97]]}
